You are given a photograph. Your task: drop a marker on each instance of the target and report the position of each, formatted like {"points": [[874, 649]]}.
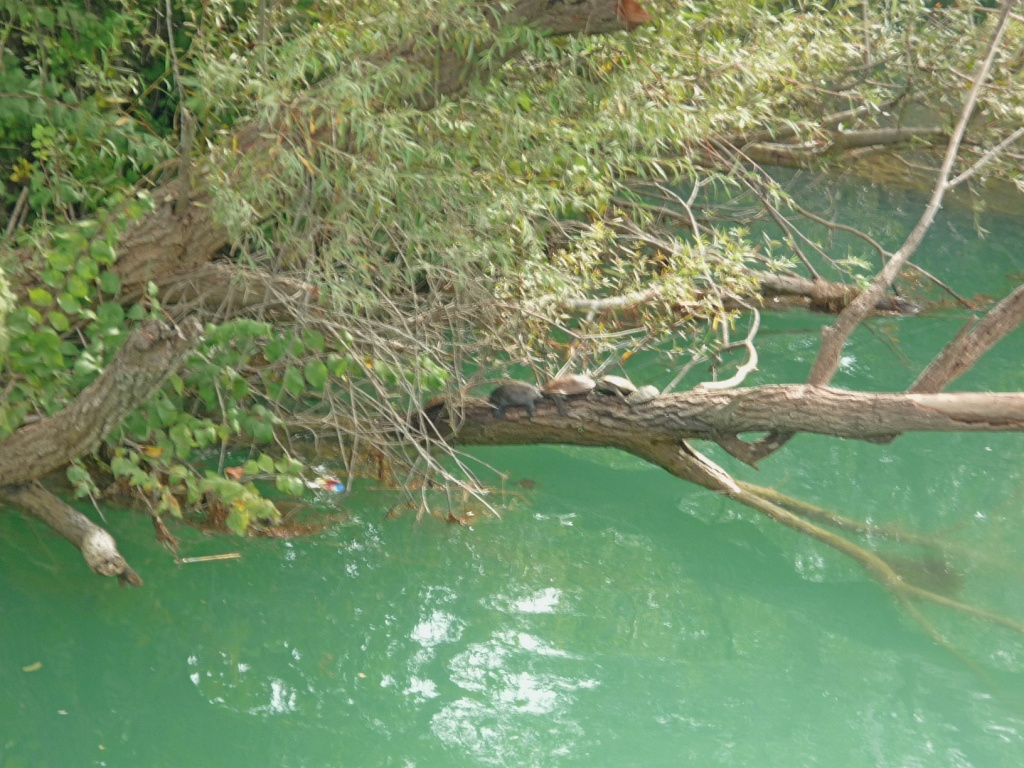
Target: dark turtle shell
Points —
{"points": [[513, 393], [615, 385], [434, 402], [569, 386]]}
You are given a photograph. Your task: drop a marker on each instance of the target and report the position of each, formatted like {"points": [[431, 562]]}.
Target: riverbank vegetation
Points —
{"points": [[272, 226]]}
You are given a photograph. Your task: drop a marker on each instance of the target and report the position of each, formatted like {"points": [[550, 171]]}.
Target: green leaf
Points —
{"points": [[316, 374], [109, 315], [266, 464], [52, 278], [182, 439], [340, 366], [110, 282], [275, 349], [293, 380], [77, 287], [60, 259], [40, 297], [262, 432], [289, 465], [58, 321], [77, 474], [314, 340], [238, 518], [69, 304], [290, 485], [166, 411], [86, 365], [239, 387], [87, 269], [102, 252]]}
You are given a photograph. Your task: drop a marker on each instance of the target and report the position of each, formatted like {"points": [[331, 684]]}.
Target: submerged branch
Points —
{"points": [[96, 545], [690, 465]]}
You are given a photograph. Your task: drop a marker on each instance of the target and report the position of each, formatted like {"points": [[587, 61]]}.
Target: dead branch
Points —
{"points": [[750, 365], [987, 157], [844, 140], [827, 517], [709, 415], [973, 341], [145, 361], [228, 290], [96, 545], [683, 461]]}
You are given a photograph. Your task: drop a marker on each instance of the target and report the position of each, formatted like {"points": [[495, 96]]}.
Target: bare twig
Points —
{"points": [[17, 213], [987, 157], [751, 365]]}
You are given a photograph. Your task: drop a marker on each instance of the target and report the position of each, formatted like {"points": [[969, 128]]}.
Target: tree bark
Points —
{"points": [[148, 357], [974, 340]]}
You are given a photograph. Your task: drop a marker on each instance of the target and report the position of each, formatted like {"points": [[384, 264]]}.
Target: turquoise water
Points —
{"points": [[613, 616]]}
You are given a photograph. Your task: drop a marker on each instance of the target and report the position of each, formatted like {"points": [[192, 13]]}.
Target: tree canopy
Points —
{"points": [[369, 204]]}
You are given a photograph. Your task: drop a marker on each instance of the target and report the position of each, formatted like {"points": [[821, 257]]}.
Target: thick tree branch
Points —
{"points": [[145, 361], [821, 295]]}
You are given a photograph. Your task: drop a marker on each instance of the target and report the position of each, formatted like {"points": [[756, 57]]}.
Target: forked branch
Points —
{"points": [[833, 338]]}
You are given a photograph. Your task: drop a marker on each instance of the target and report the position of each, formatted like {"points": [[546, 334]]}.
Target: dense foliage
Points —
{"points": [[447, 231]]}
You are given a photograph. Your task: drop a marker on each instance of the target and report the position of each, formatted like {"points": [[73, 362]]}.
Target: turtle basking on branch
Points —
{"points": [[515, 394], [564, 387]]}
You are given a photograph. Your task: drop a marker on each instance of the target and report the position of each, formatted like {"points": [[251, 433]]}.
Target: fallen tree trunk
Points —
{"points": [[657, 432], [715, 414]]}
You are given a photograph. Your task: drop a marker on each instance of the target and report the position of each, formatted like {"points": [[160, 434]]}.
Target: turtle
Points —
{"points": [[618, 386], [643, 395], [513, 393], [573, 385]]}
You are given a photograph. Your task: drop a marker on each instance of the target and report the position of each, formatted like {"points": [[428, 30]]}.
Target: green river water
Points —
{"points": [[613, 617]]}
